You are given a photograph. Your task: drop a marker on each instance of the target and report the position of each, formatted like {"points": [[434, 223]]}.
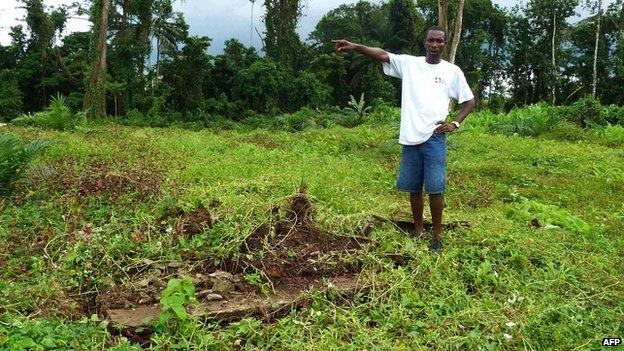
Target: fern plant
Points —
{"points": [[15, 158]]}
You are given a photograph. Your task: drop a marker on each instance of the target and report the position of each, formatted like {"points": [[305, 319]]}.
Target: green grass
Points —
{"points": [[561, 284]]}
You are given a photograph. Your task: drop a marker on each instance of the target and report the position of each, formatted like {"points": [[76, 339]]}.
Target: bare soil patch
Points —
{"points": [[289, 252], [187, 223], [102, 178], [294, 247]]}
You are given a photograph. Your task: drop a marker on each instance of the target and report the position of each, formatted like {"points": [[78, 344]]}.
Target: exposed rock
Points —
{"points": [[223, 282], [286, 295], [213, 297]]}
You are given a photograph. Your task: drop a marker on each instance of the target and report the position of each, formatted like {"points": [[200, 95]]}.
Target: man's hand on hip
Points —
{"points": [[444, 127]]}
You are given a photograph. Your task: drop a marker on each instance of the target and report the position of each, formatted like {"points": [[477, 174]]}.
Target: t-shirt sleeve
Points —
{"points": [[394, 68], [461, 90]]}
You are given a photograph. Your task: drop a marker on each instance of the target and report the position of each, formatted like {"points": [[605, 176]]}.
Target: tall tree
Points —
{"points": [[251, 23], [520, 49], [405, 26], [169, 29], [459, 17], [549, 22], [613, 91], [443, 6], [595, 63], [553, 60], [39, 75], [281, 40], [95, 98], [122, 56], [443, 16], [185, 75]]}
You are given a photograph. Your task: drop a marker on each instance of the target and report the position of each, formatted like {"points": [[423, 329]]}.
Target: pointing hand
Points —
{"points": [[342, 45]]}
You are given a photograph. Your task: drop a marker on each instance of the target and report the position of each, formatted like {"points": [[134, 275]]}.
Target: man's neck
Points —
{"points": [[433, 60]]}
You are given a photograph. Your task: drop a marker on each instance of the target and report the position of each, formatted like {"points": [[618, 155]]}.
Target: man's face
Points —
{"points": [[435, 43]]}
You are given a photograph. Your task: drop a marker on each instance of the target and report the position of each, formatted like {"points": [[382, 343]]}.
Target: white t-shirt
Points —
{"points": [[425, 94]]}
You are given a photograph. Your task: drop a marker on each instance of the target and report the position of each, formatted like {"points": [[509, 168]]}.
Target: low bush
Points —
{"points": [[15, 158], [216, 121], [611, 135], [382, 113], [481, 121], [57, 116], [554, 122], [527, 121], [548, 216], [566, 131], [301, 120], [614, 114], [10, 95], [586, 112]]}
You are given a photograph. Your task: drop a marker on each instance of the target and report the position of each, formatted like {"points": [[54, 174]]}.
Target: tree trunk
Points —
{"points": [[94, 103], [443, 20], [124, 18], [251, 26], [595, 68], [157, 60], [123, 34], [553, 62], [459, 16], [146, 22], [443, 14]]}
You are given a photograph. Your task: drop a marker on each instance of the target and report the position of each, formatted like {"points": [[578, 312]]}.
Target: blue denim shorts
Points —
{"points": [[424, 164]]}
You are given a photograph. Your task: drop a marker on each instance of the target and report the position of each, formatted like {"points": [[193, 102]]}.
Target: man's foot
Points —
{"points": [[417, 233], [436, 244]]}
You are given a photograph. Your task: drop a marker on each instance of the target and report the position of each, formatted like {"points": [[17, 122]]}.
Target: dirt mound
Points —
{"points": [[193, 222], [183, 223], [294, 246], [289, 255]]}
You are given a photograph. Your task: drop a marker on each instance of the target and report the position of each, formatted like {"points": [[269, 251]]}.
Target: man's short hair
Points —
{"points": [[441, 29]]}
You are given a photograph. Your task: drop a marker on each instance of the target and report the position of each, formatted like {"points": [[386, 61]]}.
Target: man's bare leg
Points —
{"points": [[416, 200], [436, 204]]}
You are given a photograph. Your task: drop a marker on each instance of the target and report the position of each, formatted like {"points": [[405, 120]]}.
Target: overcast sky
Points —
{"points": [[217, 19]]}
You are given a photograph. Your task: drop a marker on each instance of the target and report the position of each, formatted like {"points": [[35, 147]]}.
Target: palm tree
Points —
{"points": [[168, 29], [384, 37], [155, 22]]}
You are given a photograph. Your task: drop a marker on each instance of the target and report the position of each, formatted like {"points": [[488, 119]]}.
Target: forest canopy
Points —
{"points": [[139, 59]]}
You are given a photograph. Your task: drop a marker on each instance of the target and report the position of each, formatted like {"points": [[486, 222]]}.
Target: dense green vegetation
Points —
{"points": [[538, 268], [157, 73]]}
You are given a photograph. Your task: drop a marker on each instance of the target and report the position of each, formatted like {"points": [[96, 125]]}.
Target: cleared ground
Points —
{"points": [[538, 264]]}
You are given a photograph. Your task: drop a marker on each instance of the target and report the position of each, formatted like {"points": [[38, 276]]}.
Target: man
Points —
{"points": [[427, 87]]}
